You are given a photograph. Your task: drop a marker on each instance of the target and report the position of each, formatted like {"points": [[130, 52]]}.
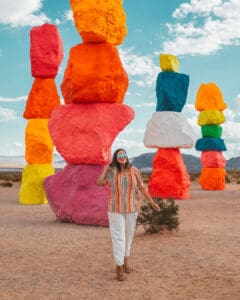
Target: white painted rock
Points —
{"points": [[168, 129]]}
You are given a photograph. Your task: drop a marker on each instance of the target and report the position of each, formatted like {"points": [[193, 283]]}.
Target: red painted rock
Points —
{"points": [[213, 179], [170, 178], [94, 73], [213, 159], [84, 133], [73, 195], [46, 51], [42, 99]]}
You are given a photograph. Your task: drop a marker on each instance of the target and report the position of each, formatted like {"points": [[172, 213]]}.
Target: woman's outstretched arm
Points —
{"points": [[101, 181]]}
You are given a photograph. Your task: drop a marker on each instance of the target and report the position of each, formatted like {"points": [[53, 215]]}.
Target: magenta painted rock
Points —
{"points": [[46, 51], [73, 195], [84, 133], [213, 159]]}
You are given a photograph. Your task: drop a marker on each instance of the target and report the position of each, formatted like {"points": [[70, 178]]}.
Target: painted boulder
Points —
{"points": [[74, 196], [168, 130], [170, 178], [83, 134], [46, 51], [171, 91]]}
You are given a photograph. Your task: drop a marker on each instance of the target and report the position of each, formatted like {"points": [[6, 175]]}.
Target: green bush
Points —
{"points": [[227, 179], [154, 221], [6, 184]]}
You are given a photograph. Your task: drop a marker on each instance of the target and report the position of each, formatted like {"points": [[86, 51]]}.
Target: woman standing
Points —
{"points": [[124, 204]]}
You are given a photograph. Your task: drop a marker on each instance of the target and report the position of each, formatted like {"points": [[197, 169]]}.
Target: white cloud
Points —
{"points": [[207, 27], [68, 15], [146, 104], [22, 13], [140, 68], [7, 114], [16, 99]]}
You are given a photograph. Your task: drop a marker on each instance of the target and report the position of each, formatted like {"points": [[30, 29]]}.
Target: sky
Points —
{"points": [[203, 34]]}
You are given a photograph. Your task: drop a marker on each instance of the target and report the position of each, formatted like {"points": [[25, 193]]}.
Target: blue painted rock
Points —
{"points": [[84, 133], [207, 144], [171, 91], [73, 195]]}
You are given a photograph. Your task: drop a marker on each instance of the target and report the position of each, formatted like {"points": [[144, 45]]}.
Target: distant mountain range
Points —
{"points": [[193, 164], [143, 162]]}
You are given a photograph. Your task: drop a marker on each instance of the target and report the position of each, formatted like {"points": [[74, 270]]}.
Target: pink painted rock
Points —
{"points": [[73, 195], [213, 159], [170, 178], [46, 51], [94, 73], [84, 133]]}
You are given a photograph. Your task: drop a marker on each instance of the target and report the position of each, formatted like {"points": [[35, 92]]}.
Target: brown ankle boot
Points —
{"points": [[126, 265], [120, 274]]}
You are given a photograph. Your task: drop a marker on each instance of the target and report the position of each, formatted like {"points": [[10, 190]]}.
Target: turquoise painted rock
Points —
{"points": [[207, 144], [171, 91]]}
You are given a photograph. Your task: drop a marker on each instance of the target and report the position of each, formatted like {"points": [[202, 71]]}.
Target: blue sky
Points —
{"points": [[204, 34]]}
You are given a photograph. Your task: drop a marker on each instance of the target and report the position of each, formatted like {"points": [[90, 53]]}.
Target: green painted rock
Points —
{"points": [[214, 131]]}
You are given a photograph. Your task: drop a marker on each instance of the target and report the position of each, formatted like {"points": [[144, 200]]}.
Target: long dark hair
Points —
{"points": [[115, 163]]}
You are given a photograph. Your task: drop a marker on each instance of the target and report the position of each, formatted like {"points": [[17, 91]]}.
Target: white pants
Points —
{"points": [[122, 226]]}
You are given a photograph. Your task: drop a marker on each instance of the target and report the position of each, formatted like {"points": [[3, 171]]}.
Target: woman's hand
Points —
{"points": [[106, 182], [155, 206]]}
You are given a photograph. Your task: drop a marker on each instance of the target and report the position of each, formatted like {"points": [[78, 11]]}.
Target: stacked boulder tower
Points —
{"points": [[84, 128], [46, 54], [168, 131], [210, 103]]}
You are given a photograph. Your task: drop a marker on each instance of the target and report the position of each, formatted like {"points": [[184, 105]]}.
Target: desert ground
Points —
{"points": [[41, 258]]}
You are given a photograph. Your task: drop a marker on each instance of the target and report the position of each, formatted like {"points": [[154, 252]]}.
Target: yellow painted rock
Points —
{"points": [[39, 145], [211, 116], [32, 191], [169, 62], [209, 96], [100, 21]]}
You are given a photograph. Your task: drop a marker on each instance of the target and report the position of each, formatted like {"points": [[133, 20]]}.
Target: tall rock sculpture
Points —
{"points": [[168, 131], [210, 103], [46, 53], [83, 130]]}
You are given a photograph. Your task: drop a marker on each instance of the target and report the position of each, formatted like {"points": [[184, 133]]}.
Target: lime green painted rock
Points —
{"points": [[32, 191], [212, 116], [214, 131]]}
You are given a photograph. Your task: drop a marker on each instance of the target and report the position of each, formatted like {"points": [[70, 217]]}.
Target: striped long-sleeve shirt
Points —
{"points": [[124, 187]]}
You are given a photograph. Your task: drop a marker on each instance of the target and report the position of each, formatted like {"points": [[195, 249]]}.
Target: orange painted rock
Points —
{"points": [[46, 51], [94, 73], [84, 133], [39, 145], [100, 21], [209, 97], [42, 99], [170, 178], [212, 179], [213, 159]]}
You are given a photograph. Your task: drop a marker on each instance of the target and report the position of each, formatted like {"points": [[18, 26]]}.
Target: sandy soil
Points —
{"points": [[41, 258]]}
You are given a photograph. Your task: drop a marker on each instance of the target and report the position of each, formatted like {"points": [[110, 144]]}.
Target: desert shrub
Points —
{"points": [[154, 221], [194, 176], [6, 184], [227, 179]]}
